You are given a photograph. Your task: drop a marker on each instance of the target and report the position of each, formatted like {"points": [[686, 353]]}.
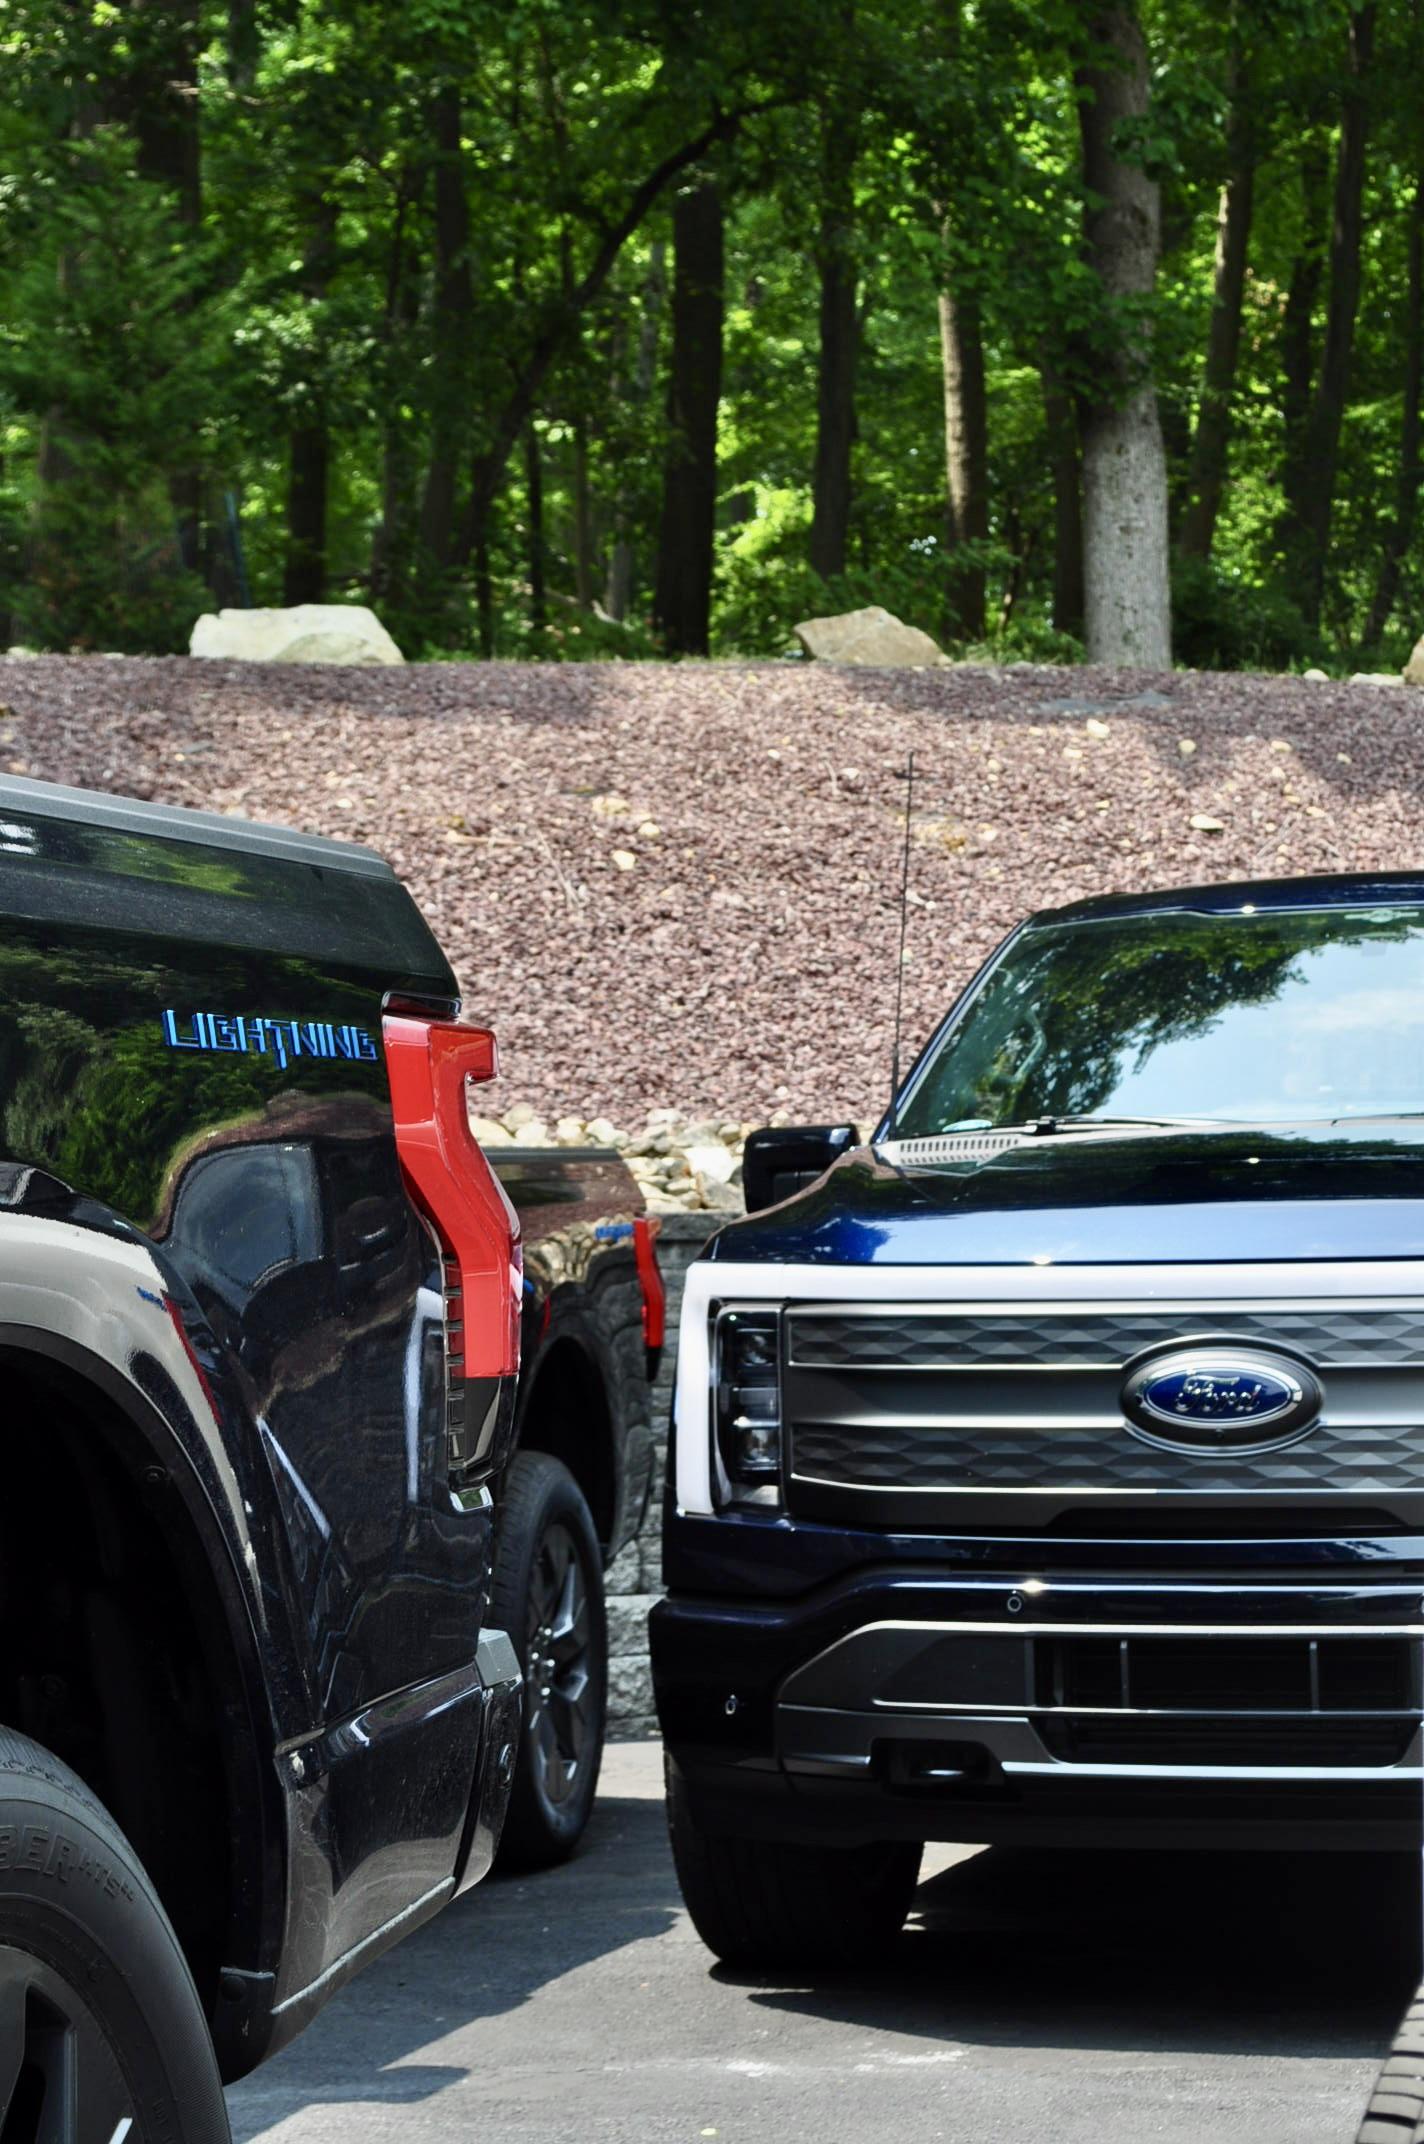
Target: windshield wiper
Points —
{"points": [[1047, 1125], [1370, 1116]]}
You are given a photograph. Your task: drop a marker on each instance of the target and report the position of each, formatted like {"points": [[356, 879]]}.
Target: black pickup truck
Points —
{"points": [[279, 1495], [1051, 1467], [575, 1488]]}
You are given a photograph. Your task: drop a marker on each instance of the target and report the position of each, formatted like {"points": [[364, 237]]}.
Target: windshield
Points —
{"points": [[1244, 1018]]}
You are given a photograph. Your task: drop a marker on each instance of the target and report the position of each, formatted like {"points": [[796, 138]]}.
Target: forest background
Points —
{"points": [[561, 328]]}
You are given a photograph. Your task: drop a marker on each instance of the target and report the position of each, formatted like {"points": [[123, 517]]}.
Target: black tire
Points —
{"points": [[546, 1539], [100, 2023], [763, 1905], [1395, 2114]]}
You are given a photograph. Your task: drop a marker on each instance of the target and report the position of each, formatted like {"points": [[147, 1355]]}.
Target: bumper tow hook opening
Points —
{"points": [[937, 1764]]}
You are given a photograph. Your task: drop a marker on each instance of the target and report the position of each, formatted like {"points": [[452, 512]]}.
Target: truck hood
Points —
{"points": [[1178, 1197]]}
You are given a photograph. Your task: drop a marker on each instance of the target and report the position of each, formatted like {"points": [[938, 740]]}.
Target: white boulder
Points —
{"points": [[712, 1163], [1414, 668], [307, 633], [871, 635]]}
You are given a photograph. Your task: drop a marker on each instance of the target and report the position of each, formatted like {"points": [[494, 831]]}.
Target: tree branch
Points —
{"points": [[490, 464]]}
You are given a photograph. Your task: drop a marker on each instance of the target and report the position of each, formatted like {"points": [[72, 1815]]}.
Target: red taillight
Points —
{"points": [[429, 1062], [650, 1279]]}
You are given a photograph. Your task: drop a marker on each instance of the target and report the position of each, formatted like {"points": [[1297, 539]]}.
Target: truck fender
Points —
{"points": [[97, 1301]]}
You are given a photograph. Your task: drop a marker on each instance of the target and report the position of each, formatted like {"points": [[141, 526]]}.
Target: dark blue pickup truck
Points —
{"points": [[316, 1440], [1051, 1468]]}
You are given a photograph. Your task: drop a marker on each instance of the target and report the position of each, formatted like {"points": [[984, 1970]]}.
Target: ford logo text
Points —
{"points": [[1205, 1399]]}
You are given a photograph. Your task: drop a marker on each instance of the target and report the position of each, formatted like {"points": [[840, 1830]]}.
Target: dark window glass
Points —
{"points": [[247, 1213], [1296, 1017]]}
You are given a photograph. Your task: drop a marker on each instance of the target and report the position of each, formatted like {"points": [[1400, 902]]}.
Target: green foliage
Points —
{"points": [[103, 358], [1027, 637], [220, 232], [1220, 622], [766, 587]]}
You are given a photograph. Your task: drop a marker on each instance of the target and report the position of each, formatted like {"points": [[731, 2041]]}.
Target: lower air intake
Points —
{"points": [[1258, 1743]]}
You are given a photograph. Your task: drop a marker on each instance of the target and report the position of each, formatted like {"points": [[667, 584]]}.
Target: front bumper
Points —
{"points": [[1048, 1709]]}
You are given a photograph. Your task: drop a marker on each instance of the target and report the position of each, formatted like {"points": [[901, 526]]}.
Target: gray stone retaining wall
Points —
{"points": [[635, 1579]]}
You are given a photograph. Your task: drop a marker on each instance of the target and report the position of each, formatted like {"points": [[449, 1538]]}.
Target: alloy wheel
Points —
{"points": [[60, 2080], [559, 1670]]}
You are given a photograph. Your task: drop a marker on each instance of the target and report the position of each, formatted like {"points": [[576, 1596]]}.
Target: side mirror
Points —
{"points": [[784, 1158]]}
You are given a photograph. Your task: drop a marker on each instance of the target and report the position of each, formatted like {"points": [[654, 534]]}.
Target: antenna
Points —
{"points": [[904, 918]]}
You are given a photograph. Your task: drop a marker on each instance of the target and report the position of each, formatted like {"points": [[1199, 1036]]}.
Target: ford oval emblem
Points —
{"points": [[1214, 1399]]}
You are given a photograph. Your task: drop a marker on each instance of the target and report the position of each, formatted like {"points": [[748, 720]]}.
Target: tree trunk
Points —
{"points": [[966, 452], [583, 518], [164, 103], [484, 583], [1206, 474], [619, 593], [1307, 528], [453, 312], [682, 599], [164, 100], [1298, 320], [838, 348], [484, 598], [304, 577], [1020, 548], [1066, 464], [244, 43], [391, 540], [534, 489], [304, 572], [1406, 503], [1126, 589]]}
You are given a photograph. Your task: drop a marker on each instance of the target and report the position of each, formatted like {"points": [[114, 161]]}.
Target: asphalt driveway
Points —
{"points": [[1032, 2001]]}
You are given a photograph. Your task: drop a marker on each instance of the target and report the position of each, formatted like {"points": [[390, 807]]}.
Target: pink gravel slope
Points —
{"points": [[743, 962]]}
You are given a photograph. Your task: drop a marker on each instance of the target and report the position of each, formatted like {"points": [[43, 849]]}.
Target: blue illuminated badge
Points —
{"points": [[282, 1040], [1207, 1400]]}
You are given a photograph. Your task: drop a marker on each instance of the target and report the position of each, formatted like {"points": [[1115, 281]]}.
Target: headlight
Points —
{"points": [[746, 1378]]}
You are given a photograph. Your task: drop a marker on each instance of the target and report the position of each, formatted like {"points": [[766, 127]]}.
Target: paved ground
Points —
{"points": [[1031, 2003]]}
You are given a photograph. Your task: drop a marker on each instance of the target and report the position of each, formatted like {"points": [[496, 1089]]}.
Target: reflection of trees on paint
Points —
{"points": [[90, 1089], [1076, 1005], [172, 863]]}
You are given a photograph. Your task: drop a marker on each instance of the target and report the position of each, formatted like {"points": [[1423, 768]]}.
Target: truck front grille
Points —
{"points": [[910, 1414]]}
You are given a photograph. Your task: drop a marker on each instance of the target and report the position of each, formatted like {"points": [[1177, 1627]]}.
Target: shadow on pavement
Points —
{"points": [[1269, 1954], [486, 1955]]}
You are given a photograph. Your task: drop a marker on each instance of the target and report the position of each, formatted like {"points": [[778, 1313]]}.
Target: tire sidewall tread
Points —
{"points": [[1395, 2114], [537, 1490], [74, 1894], [764, 1904]]}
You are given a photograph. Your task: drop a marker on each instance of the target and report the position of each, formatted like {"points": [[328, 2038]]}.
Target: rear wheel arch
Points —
{"points": [[127, 1628], [566, 1412]]}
